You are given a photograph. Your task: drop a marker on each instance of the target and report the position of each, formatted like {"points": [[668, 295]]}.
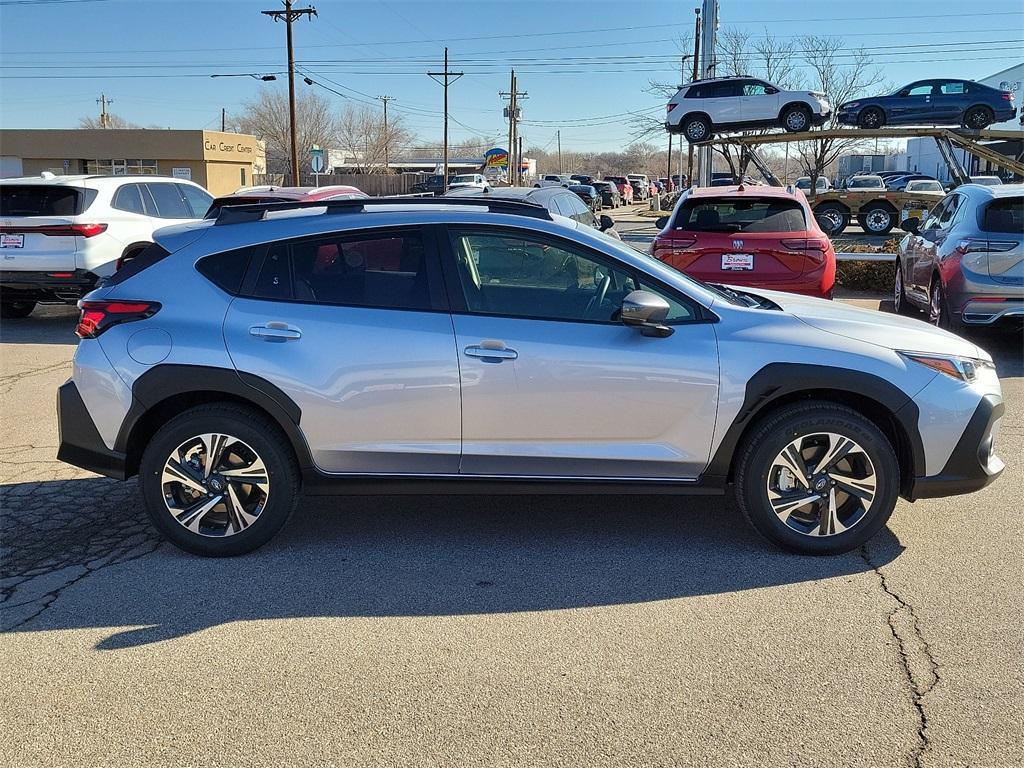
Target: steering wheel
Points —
{"points": [[599, 297]]}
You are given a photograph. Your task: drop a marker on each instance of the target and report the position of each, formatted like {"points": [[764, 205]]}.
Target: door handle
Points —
{"points": [[275, 332], [490, 353]]}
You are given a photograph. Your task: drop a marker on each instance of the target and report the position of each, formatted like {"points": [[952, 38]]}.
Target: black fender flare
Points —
{"points": [[167, 381], [777, 381]]}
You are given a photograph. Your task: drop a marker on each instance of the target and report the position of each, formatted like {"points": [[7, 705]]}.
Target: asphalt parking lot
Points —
{"points": [[492, 631]]}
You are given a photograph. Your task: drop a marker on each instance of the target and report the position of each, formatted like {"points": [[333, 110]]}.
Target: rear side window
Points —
{"points": [[1006, 215], [169, 202], [386, 270], [696, 92], [41, 200], [725, 214], [150, 256], [198, 200], [129, 199], [226, 270]]}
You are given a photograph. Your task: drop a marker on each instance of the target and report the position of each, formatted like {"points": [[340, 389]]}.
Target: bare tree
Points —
{"points": [[113, 121], [841, 75], [266, 118], [362, 136]]}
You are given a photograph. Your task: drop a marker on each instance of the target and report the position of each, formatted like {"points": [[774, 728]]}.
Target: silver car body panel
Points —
{"points": [[385, 391]]}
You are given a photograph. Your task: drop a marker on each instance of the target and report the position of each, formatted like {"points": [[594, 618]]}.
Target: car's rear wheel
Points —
{"points": [[817, 478], [877, 219], [697, 128], [899, 293], [10, 310], [939, 314], [833, 218], [219, 480], [872, 117], [978, 118], [796, 119]]}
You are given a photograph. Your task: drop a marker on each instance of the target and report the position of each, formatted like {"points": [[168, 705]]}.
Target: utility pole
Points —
{"points": [[223, 120], [559, 135], [709, 51], [387, 136], [696, 74], [513, 110], [449, 78], [669, 175], [103, 101], [289, 15]]}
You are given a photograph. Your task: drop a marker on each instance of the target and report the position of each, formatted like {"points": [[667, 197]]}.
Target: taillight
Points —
{"points": [[1007, 96], [98, 316], [813, 247], [670, 107], [972, 245], [59, 230]]}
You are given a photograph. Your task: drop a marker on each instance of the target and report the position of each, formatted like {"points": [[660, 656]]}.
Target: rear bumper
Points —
{"points": [[44, 287], [973, 463], [80, 441], [820, 119]]}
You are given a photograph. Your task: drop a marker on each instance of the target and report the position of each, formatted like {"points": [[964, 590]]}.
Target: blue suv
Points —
{"points": [[932, 102]]}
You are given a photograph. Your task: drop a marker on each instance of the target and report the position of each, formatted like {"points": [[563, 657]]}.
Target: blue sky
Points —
{"points": [[153, 58]]}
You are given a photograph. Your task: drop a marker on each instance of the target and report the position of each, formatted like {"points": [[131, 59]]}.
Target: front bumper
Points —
{"points": [[44, 287], [80, 441], [973, 463], [846, 118]]}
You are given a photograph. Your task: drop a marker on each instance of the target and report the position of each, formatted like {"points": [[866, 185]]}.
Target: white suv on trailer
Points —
{"points": [[702, 107], [60, 234]]}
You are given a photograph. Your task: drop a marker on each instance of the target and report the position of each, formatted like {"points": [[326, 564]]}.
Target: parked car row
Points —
{"points": [[703, 108]]}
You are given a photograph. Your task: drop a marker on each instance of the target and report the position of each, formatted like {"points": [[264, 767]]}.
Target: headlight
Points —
{"points": [[962, 368]]}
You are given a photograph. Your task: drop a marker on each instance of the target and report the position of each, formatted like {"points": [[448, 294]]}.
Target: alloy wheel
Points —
{"points": [[215, 485], [796, 120], [935, 313], [695, 130], [821, 484], [897, 294]]}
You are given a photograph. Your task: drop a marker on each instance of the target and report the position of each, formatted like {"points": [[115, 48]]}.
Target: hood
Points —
{"points": [[883, 329]]}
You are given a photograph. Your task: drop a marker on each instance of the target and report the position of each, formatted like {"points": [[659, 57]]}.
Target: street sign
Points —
{"points": [[317, 158]]}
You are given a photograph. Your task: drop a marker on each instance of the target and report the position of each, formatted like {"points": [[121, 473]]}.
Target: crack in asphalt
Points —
{"points": [[916, 658]]}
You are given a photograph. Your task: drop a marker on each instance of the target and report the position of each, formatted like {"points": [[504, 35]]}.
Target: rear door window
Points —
{"points": [[168, 201], [724, 214], [42, 200], [128, 198]]}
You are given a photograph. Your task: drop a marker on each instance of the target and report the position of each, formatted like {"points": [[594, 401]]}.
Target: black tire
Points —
{"points": [[900, 304], [11, 310], [697, 129], [877, 219], [836, 218], [939, 313], [257, 433], [802, 420], [978, 118], [872, 117], [795, 118]]}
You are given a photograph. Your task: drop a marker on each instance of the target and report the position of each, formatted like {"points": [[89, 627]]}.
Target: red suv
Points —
{"points": [[624, 187], [759, 237]]}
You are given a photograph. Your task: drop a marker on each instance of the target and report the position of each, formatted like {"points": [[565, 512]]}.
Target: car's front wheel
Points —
{"points": [[796, 119], [10, 310], [872, 117], [219, 480], [817, 478]]}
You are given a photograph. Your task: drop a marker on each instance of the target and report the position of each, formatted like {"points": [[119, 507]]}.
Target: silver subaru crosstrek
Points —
{"points": [[964, 264], [470, 345]]}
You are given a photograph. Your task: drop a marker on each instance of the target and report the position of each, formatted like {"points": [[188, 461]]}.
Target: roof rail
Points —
{"points": [[237, 214]]}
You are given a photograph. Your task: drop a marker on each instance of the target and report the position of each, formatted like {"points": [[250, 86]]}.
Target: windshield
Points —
{"points": [[463, 179], [746, 214], [924, 186], [872, 182]]}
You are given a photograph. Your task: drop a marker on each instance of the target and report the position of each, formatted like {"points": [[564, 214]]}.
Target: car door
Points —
{"points": [[553, 385], [949, 102], [759, 102], [354, 328], [724, 103], [930, 242], [914, 104]]}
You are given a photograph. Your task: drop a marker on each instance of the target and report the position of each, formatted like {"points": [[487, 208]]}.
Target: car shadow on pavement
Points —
{"points": [[405, 556], [47, 325]]}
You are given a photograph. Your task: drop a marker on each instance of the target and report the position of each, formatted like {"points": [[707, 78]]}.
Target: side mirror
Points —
{"points": [[662, 222], [646, 311], [911, 225], [607, 222]]}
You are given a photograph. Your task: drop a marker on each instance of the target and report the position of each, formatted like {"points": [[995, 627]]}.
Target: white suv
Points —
{"points": [[555, 180], [60, 234], [701, 108]]}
